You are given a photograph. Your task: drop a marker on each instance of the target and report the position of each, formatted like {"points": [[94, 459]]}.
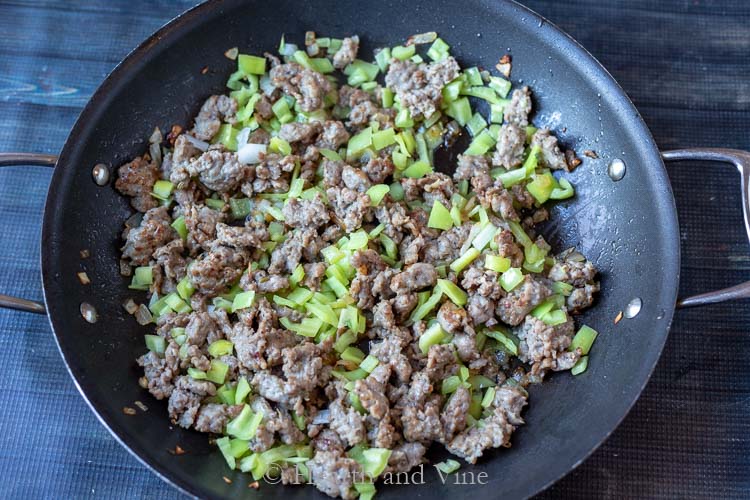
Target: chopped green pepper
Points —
{"points": [[176, 303], [217, 372], [439, 50], [450, 385], [452, 291], [422, 311], [432, 336], [460, 110], [499, 85], [251, 65], [476, 124], [245, 425], [403, 119], [225, 448], [383, 59], [418, 169], [504, 340], [564, 191], [448, 466], [359, 142], [485, 93], [369, 363], [541, 187], [511, 278], [580, 366], [243, 300], [440, 217], [489, 397], [584, 339], [220, 348], [464, 260], [142, 278], [156, 344], [180, 226], [402, 53], [496, 263], [162, 189], [377, 193], [481, 144], [243, 390], [366, 490]]}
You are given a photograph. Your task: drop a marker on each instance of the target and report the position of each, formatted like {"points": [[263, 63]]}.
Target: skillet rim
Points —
{"points": [[553, 35]]}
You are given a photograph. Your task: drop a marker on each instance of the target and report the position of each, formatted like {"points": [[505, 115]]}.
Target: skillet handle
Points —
{"points": [[741, 160], [7, 160]]}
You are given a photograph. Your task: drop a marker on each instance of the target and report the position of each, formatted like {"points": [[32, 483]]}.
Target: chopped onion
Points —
{"points": [[125, 269], [202, 145], [243, 136], [534, 378], [472, 234], [265, 82], [322, 417], [156, 136], [313, 50], [232, 53], [452, 133], [249, 154], [155, 151], [143, 315], [288, 49], [422, 38], [573, 255], [130, 306]]}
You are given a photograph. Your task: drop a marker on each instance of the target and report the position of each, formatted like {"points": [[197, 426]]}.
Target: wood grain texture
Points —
{"points": [[684, 63]]}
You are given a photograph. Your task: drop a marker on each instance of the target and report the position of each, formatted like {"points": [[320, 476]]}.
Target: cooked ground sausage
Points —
{"points": [[322, 273]]}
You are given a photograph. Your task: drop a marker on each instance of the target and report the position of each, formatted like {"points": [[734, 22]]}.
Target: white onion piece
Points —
{"points": [[313, 50], [249, 154], [143, 315], [266, 86], [202, 145], [155, 151], [576, 257], [243, 136], [422, 38], [472, 234], [288, 49], [156, 136], [130, 306], [322, 417]]}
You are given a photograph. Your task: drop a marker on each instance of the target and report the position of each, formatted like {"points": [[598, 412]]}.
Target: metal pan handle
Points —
{"points": [[741, 160], [17, 159]]}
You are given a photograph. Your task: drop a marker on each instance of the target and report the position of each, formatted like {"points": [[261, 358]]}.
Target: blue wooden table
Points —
{"points": [[685, 64]]}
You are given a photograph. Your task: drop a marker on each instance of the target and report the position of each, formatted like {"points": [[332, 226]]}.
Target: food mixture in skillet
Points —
{"points": [[323, 299]]}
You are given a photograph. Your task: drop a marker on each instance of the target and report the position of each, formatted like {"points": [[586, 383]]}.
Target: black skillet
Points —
{"points": [[627, 227]]}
